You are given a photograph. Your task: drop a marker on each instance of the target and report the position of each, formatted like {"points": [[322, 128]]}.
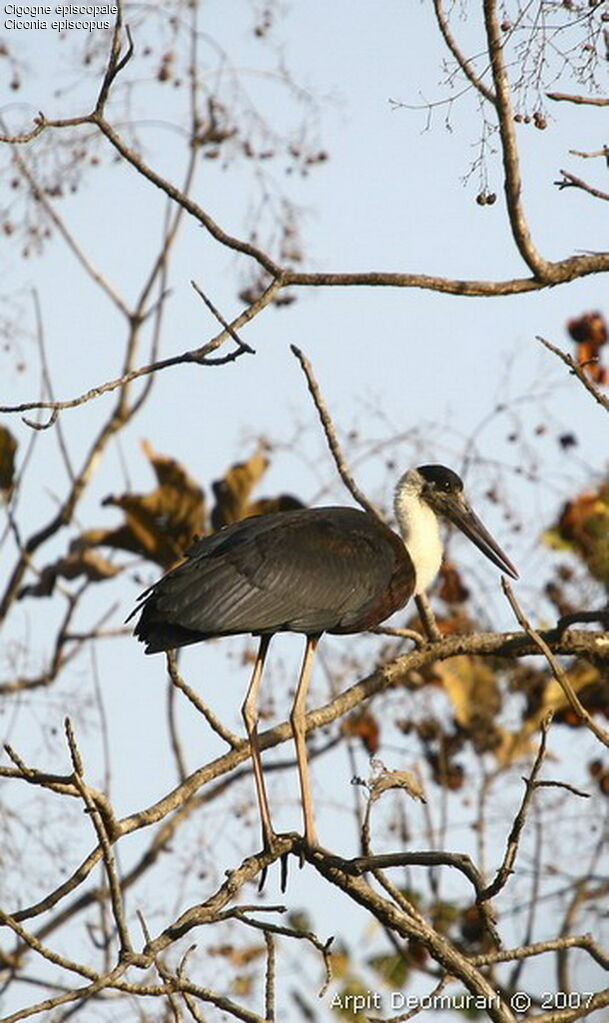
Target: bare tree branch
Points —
{"points": [[464, 62], [561, 677], [580, 373], [571, 181], [592, 101], [331, 437]]}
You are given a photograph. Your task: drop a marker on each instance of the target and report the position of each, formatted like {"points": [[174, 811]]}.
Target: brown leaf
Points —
{"points": [[591, 328], [382, 780], [452, 589], [237, 955], [590, 334], [472, 926], [514, 747], [587, 355], [267, 505], [233, 492], [242, 985], [473, 689], [471, 686], [78, 562], [583, 527], [446, 772], [363, 725], [162, 524], [8, 447]]}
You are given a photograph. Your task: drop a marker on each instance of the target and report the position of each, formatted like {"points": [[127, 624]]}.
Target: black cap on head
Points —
{"points": [[441, 478]]}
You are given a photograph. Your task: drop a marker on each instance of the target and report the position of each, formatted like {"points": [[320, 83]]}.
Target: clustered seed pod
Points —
{"points": [[486, 198], [538, 119]]}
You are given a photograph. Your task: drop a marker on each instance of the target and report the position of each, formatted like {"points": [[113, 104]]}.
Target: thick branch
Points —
{"points": [[403, 672]]}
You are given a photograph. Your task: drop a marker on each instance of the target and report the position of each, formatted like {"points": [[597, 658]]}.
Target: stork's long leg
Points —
{"points": [[297, 717], [249, 711]]}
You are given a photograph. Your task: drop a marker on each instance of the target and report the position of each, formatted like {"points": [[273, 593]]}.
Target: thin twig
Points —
{"points": [[589, 156], [585, 941], [572, 181], [561, 677], [213, 721], [227, 326], [386, 630], [126, 948], [465, 63], [511, 851], [578, 371], [330, 432], [270, 978], [239, 913]]}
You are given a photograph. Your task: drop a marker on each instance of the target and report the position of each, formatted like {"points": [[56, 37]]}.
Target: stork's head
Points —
{"points": [[440, 490]]}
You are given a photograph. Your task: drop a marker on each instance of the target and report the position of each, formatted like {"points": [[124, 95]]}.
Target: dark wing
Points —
{"points": [[313, 570]]}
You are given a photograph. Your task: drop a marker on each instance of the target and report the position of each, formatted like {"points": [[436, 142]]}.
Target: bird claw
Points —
{"points": [[269, 845], [304, 844]]}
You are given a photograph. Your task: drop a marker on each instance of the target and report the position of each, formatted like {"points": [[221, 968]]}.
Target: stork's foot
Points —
{"points": [[270, 842], [308, 843]]}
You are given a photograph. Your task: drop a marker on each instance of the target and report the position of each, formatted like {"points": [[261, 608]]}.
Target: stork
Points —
{"points": [[312, 570]]}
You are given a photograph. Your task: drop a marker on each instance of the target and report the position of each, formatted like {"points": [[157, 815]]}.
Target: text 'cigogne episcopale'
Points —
{"points": [[24, 17]]}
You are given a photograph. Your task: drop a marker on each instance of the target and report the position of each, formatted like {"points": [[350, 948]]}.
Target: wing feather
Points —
{"points": [[309, 570]]}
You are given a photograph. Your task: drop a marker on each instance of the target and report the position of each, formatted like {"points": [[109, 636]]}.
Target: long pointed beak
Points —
{"points": [[464, 517]]}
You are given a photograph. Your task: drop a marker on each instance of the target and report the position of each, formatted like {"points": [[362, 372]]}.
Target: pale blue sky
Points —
{"points": [[391, 197]]}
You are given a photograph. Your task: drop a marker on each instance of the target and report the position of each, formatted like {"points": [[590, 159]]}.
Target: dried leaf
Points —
{"points": [[446, 772], [591, 328], [515, 747], [78, 562], [242, 985], [583, 527], [472, 926], [392, 969], [590, 684], [363, 725], [382, 780], [452, 589], [233, 492], [237, 956], [160, 525], [471, 686], [8, 447], [267, 505], [590, 333]]}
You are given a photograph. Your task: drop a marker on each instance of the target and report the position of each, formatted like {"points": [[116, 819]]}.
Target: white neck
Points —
{"points": [[420, 529]]}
